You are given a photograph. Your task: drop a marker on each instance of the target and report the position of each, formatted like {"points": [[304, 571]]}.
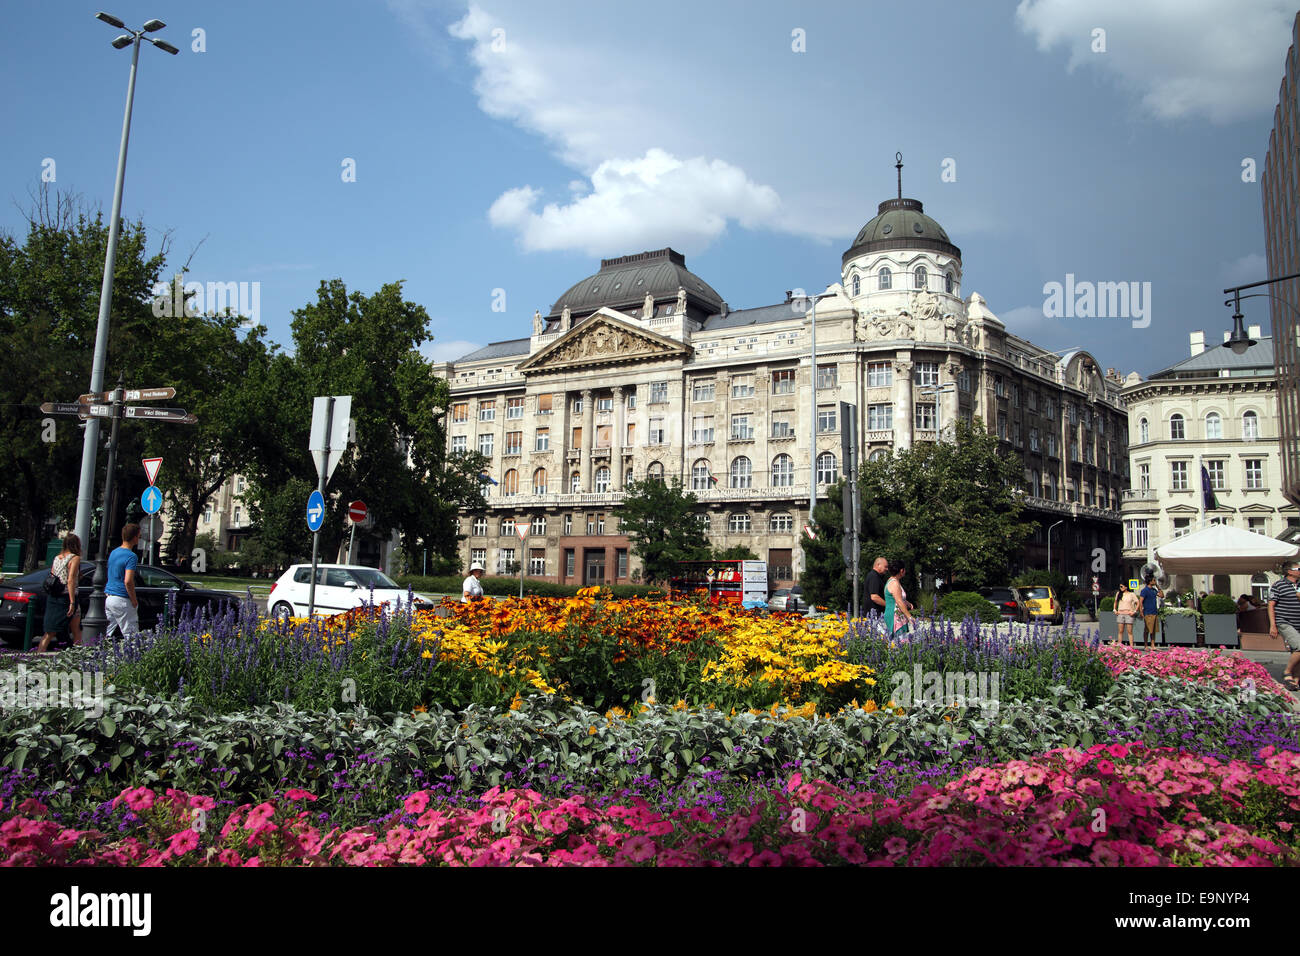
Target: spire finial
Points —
{"points": [[898, 164]]}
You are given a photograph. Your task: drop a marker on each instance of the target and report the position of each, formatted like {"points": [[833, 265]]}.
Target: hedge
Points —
{"points": [[1218, 604], [956, 605], [507, 586]]}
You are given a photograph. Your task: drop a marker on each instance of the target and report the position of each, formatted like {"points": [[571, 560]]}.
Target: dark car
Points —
{"points": [[152, 588], [1008, 602]]}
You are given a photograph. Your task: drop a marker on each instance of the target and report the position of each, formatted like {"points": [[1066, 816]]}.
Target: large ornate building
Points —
{"points": [[643, 370]]}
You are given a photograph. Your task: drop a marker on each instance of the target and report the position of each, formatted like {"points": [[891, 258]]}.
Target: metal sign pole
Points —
{"points": [[320, 486], [95, 624]]}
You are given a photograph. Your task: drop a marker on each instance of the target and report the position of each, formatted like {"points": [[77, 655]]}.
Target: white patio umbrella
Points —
{"points": [[1219, 549]]}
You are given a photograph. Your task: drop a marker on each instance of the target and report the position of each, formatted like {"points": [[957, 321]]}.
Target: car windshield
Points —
{"points": [[1036, 594], [370, 578], [1000, 594]]}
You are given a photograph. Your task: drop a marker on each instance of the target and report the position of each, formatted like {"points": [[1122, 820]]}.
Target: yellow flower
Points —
{"points": [[591, 731]]}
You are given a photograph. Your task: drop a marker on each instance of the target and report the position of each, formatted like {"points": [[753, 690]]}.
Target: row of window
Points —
{"points": [[1045, 486], [1213, 427], [781, 522], [1137, 530], [920, 279], [741, 475], [1180, 471]]}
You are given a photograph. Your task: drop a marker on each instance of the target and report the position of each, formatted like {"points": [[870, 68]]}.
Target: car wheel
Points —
{"points": [[282, 612]]}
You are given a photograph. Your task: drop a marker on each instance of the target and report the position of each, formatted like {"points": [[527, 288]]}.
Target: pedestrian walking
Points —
{"points": [[876, 578], [1126, 609], [898, 613], [61, 610], [1284, 619], [471, 589], [1150, 612], [121, 605]]}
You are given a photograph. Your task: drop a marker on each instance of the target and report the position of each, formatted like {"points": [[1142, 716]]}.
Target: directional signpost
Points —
{"points": [[328, 442], [110, 405]]}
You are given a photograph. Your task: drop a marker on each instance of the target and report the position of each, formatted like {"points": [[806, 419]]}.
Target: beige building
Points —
{"points": [[1216, 410], [643, 370]]}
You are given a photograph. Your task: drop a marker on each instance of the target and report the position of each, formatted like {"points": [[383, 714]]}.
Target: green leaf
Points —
{"points": [[107, 726]]}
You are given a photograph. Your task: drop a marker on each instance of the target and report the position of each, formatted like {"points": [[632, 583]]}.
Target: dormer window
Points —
{"points": [[948, 282], [857, 286], [920, 275]]}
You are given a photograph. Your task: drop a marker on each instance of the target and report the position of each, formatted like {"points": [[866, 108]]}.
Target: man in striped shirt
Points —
{"points": [[1284, 618]]}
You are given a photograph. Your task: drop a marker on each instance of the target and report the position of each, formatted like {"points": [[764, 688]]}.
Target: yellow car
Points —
{"points": [[1041, 604]]}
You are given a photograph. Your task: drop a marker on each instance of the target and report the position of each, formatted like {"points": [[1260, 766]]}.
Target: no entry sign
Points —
{"points": [[357, 512]]}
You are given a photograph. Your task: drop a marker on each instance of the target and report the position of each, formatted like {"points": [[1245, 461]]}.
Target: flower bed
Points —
{"points": [[1226, 669], [1109, 805]]}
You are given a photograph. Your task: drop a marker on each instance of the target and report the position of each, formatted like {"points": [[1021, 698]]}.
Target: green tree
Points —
{"points": [[737, 552], [659, 519], [947, 508], [49, 307], [366, 346], [825, 579]]}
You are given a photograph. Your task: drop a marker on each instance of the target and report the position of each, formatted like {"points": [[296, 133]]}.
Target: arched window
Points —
{"points": [[742, 473], [919, 275], [827, 469], [655, 472], [948, 282], [857, 285], [539, 481], [878, 454], [510, 483], [627, 477], [1250, 426], [1144, 431], [886, 277], [1176, 430], [700, 475], [575, 483], [602, 479], [1213, 425], [782, 471]]}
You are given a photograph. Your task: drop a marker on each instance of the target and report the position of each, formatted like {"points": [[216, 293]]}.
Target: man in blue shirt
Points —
{"points": [[120, 603], [1150, 618]]}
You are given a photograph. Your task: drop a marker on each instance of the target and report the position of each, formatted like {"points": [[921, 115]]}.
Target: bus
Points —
{"points": [[729, 581]]}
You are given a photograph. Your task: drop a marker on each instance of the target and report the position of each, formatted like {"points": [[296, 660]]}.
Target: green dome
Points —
{"points": [[901, 224]]}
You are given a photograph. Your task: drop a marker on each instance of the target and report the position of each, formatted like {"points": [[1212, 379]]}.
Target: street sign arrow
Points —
{"points": [[133, 395], [315, 511], [151, 500], [95, 411], [162, 414], [62, 408]]}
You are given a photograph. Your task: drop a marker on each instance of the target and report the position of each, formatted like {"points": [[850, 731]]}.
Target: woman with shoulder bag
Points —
{"points": [[61, 610]]}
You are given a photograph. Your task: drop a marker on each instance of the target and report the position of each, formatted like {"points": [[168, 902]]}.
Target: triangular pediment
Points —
{"points": [[605, 338]]}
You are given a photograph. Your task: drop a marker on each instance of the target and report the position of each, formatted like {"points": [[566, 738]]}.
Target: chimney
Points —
{"points": [[1253, 332], [789, 295], [1198, 342]]}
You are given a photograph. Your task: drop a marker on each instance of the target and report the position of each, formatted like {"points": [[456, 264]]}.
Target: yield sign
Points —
{"points": [[521, 529], [151, 466]]}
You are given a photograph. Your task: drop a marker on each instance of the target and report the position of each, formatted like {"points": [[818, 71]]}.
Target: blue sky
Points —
{"points": [[511, 145]]}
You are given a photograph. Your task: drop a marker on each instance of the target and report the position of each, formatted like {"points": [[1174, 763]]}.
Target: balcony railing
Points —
{"points": [[1141, 494]]}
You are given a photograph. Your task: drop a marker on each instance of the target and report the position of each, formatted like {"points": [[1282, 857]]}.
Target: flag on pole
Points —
{"points": [[712, 480], [1207, 490], [808, 530], [485, 479]]}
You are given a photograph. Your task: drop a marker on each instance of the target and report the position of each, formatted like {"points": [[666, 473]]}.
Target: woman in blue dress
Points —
{"points": [[898, 613]]}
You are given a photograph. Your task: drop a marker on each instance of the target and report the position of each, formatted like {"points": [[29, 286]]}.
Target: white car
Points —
{"points": [[339, 587]]}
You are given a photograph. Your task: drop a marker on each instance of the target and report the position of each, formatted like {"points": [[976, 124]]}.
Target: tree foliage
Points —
{"points": [[949, 509], [659, 520]]}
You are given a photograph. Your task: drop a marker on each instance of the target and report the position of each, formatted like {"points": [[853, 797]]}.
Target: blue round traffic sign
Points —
{"points": [[151, 500], [315, 511]]}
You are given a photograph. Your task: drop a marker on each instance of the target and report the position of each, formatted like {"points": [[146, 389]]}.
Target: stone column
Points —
{"points": [[616, 442], [588, 440], [904, 413]]}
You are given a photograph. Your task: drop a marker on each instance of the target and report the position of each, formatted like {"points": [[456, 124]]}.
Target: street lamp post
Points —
{"points": [[1049, 543], [936, 391], [90, 444]]}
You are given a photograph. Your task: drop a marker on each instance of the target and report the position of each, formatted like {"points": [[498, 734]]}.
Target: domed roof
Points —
{"points": [[901, 224], [622, 284]]}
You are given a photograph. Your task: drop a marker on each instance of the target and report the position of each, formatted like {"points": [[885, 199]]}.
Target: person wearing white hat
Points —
{"points": [[471, 590]]}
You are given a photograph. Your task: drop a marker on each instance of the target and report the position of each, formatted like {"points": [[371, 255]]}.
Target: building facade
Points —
{"points": [[1216, 410], [642, 370], [1280, 188]]}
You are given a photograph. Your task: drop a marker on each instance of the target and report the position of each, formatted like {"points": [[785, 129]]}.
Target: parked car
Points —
{"points": [[1008, 601], [339, 587], [1041, 604], [153, 586], [780, 599]]}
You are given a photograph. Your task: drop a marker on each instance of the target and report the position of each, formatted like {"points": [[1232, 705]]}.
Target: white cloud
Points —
{"points": [[651, 200], [1184, 57], [449, 351], [646, 202], [1025, 318]]}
